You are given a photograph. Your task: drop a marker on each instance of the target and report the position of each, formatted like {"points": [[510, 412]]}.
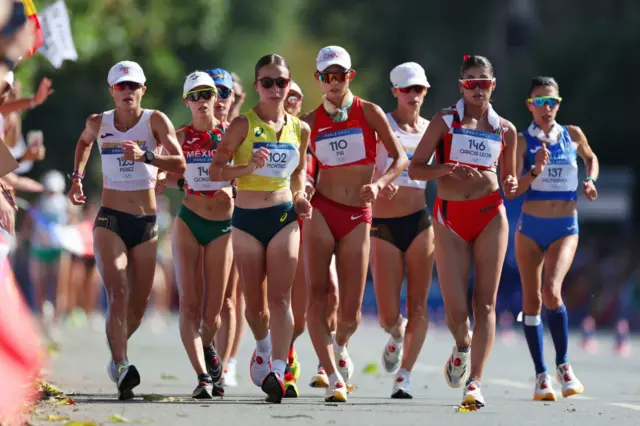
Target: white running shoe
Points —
{"points": [[112, 371], [472, 395], [259, 368], [402, 387], [336, 393], [456, 370], [544, 390], [320, 379], [229, 378], [344, 364], [570, 383], [392, 355]]}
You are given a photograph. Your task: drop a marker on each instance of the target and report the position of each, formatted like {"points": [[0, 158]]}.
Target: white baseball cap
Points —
{"points": [[333, 55], [409, 74], [195, 79], [54, 181], [293, 87], [126, 71]]}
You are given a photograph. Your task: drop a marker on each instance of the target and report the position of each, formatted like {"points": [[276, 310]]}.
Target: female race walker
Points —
{"points": [[125, 230], [547, 233], [403, 236], [469, 140], [344, 139], [268, 148], [203, 223]]}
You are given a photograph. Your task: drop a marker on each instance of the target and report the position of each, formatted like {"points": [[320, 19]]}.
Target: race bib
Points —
{"points": [[117, 169], [340, 147], [557, 177], [404, 179], [475, 148], [197, 173], [283, 159]]}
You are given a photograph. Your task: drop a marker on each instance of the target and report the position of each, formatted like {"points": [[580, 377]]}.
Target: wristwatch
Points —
{"points": [[149, 156], [181, 184]]}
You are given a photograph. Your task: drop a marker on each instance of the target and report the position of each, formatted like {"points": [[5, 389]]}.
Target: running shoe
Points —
{"points": [[456, 370], [336, 393], [402, 387], [472, 395], [544, 390], [213, 362], [391, 356], [344, 364], [259, 368], [570, 383], [320, 379], [273, 386], [112, 371], [230, 376], [294, 363], [291, 388], [204, 390], [128, 378]]}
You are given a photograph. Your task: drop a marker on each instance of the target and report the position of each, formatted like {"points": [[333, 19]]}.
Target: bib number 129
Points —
{"points": [[125, 163]]}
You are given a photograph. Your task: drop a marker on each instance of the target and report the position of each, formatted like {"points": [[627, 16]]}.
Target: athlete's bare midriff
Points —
{"points": [[140, 203], [406, 201], [452, 189], [263, 199], [219, 207], [550, 208], [343, 184]]}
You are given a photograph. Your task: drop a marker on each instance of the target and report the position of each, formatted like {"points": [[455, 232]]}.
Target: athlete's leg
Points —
{"points": [[419, 260], [186, 254], [489, 250], [142, 269], [218, 257], [111, 259], [299, 298], [225, 337]]}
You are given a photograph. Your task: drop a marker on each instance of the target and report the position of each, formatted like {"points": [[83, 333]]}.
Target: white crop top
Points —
{"points": [[409, 142], [126, 175]]}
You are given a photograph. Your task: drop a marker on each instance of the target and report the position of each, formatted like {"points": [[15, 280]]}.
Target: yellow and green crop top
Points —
{"points": [[284, 155]]}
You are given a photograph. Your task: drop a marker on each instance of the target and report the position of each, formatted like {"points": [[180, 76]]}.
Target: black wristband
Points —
{"points": [[234, 190], [181, 184], [533, 174]]}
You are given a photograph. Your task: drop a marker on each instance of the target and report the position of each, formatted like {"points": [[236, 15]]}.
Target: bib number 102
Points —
{"points": [[277, 157], [478, 146], [125, 163]]}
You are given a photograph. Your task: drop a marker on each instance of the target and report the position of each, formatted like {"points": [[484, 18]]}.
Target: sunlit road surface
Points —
{"points": [[612, 385]]}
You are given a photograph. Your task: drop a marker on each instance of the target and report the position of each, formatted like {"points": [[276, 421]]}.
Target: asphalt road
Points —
{"points": [[612, 395]]}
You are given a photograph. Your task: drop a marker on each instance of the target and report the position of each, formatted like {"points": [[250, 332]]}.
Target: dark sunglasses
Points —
{"points": [[545, 100], [472, 83], [124, 85], [328, 77], [268, 82], [224, 92], [418, 89], [196, 95]]}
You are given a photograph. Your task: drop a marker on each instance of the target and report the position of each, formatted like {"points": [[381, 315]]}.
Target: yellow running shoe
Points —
{"points": [[291, 389], [293, 362]]}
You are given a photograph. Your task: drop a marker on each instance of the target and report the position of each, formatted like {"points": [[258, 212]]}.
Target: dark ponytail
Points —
{"points": [[271, 59], [475, 61], [541, 81]]}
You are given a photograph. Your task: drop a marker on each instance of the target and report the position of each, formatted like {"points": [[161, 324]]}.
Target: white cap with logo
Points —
{"points": [[126, 71], [195, 79], [295, 88], [333, 55], [409, 74]]}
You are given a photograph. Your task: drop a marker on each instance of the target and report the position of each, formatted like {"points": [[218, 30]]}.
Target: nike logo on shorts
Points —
{"points": [[356, 217]]}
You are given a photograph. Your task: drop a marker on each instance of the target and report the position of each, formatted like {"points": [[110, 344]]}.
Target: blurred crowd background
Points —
{"points": [[590, 46]]}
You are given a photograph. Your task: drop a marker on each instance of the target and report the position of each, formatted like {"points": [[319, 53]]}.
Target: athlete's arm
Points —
{"points": [[508, 160], [221, 171], [170, 158], [584, 151], [590, 161], [299, 175], [419, 168], [83, 147], [524, 181], [378, 122]]}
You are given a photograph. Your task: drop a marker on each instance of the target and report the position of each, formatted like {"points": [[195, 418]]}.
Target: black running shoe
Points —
{"points": [[204, 390], [273, 387], [214, 363], [128, 378]]}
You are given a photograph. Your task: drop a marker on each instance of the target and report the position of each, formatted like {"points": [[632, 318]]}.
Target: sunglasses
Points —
{"points": [[293, 99], [124, 85], [196, 95], [268, 82], [473, 83], [224, 92], [328, 77], [545, 100], [418, 89]]}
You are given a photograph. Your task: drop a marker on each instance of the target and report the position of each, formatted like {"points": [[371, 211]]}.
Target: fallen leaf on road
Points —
{"points": [[118, 419], [351, 388], [54, 418], [49, 390], [465, 408], [80, 423], [161, 398], [66, 401], [168, 377], [370, 368]]}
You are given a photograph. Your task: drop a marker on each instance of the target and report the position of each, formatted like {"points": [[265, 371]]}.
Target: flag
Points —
{"points": [[21, 352], [58, 44], [32, 15]]}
